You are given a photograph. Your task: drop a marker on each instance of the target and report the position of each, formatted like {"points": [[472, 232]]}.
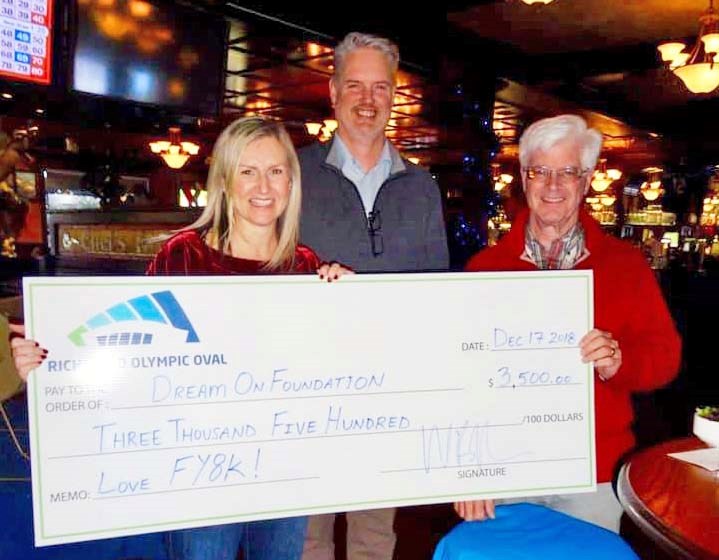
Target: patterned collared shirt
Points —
{"points": [[563, 254]]}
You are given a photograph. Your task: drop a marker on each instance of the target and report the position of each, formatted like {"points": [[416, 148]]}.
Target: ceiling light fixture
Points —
{"points": [[651, 189], [173, 151], [607, 199], [323, 130], [500, 179], [699, 68], [603, 177], [313, 128]]}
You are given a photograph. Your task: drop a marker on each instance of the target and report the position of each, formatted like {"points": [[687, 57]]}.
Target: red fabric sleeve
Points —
{"points": [[182, 254], [306, 260], [651, 345]]}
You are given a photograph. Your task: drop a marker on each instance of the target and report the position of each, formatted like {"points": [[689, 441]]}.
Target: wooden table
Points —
{"points": [[675, 503]]}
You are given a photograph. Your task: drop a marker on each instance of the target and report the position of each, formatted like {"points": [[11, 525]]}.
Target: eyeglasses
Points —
{"points": [[566, 176], [374, 228]]}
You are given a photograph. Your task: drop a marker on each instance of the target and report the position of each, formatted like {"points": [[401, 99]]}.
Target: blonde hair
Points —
{"points": [[216, 223]]}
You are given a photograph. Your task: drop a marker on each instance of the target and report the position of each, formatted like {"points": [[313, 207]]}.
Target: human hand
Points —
{"points": [[475, 510], [601, 348], [27, 354], [333, 271]]}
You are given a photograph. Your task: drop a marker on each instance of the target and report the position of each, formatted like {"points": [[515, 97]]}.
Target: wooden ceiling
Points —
{"points": [[580, 25], [600, 55], [596, 57]]}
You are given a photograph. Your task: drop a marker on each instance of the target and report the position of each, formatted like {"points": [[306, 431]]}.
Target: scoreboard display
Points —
{"points": [[26, 40]]}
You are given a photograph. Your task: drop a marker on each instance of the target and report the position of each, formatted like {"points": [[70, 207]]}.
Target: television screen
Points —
{"points": [[150, 52], [26, 40]]}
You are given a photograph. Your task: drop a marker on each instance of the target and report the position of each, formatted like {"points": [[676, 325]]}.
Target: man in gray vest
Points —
{"points": [[367, 208]]}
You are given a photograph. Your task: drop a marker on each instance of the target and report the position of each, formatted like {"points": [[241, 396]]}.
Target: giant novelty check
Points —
{"points": [[174, 402]]}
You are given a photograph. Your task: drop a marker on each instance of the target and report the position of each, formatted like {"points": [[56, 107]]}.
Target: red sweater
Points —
{"points": [[186, 253], [627, 303]]}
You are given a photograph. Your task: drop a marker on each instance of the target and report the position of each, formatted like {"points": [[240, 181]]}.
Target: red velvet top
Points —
{"points": [[186, 253], [629, 304]]}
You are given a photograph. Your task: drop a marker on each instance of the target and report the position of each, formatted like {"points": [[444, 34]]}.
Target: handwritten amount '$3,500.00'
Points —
{"points": [[506, 378]]}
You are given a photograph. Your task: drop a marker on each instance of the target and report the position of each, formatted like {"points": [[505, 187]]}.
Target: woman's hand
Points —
{"points": [[27, 354], [601, 348], [475, 510], [333, 271]]}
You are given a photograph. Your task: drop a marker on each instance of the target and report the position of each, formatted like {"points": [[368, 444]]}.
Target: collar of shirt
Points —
{"points": [[352, 169], [367, 183], [563, 254]]}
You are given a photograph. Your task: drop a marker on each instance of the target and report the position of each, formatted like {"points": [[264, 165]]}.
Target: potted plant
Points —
{"points": [[706, 424]]}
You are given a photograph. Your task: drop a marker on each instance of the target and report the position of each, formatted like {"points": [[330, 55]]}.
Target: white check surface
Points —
{"points": [[295, 396]]}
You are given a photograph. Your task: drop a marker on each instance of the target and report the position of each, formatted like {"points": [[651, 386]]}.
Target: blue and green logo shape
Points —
{"points": [[112, 327]]}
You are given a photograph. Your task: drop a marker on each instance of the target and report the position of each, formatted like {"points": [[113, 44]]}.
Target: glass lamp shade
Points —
{"points": [[651, 190], [175, 160], [711, 42], [159, 146], [679, 60], [313, 128], [651, 194], [699, 78], [669, 51], [608, 200], [190, 147], [600, 182]]}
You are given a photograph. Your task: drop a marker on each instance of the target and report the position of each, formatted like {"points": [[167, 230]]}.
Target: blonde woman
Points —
{"points": [[250, 226], [251, 222]]}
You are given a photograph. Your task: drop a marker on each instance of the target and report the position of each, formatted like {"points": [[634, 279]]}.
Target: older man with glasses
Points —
{"points": [[635, 345], [370, 209]]}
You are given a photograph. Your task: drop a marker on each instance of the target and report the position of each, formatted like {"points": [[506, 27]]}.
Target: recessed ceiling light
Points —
{"points": [[40, 111], [7, 95]]}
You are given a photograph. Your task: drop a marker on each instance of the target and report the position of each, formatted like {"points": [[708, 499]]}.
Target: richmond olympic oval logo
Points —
{"points": [[137, 321]]}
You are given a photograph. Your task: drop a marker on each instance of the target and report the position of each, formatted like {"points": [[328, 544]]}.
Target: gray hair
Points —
{"points": [[356, 40], [543, 134]]}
